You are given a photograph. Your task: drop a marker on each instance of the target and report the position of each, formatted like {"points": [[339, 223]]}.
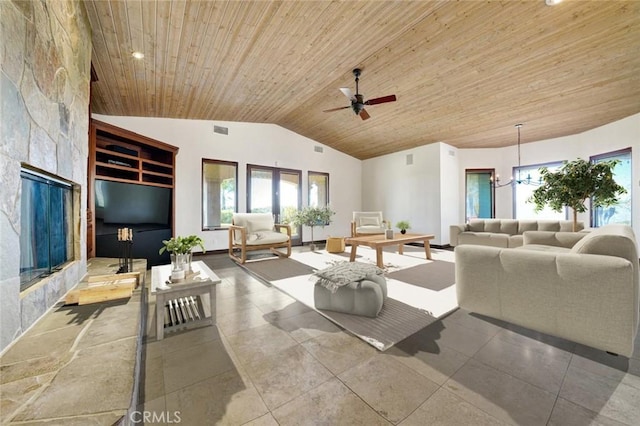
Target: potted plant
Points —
{"points": [[576, 182], [388, 232], [312, 216], [403, 225], [180, 249]]}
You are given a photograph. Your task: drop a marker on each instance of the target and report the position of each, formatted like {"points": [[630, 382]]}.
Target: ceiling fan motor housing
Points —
{"points": [[358, 103]]}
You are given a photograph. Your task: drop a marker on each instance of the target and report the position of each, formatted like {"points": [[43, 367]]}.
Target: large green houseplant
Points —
{"points": [[311, 217], [574, 183]]}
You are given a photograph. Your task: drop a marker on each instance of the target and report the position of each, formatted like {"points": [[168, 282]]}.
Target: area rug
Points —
{"points": [[419, 291]]}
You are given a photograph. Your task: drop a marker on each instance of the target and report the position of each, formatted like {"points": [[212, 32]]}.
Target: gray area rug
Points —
{"points": [[277, 268], [396, 320], [436, 276]]}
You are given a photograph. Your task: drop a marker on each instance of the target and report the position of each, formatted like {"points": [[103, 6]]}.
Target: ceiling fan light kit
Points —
{"points": [[357, 101]]}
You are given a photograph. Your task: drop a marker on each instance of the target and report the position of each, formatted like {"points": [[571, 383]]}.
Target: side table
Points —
{"points": [[198, 283]]}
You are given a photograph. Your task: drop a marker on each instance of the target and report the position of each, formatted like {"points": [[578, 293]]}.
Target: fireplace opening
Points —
{"points": [[46, 226]]}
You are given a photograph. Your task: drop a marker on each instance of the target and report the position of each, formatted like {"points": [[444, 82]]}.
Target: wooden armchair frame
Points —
{"points": [[244, 247]]}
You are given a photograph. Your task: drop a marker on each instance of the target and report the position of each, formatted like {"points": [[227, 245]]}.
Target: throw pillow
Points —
{"points": [[263, 223], [344, 273], [369, 221]]}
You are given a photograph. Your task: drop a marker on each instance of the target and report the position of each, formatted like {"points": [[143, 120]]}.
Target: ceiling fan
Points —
{"points": [[357, 100]]}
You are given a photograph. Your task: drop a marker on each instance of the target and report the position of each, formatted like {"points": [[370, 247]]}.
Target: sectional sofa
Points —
{"points": [[578, 286], [503, 232]]}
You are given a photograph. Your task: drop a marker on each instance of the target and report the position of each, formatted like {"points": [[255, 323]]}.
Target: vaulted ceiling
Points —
{"points": [[464, 72]]}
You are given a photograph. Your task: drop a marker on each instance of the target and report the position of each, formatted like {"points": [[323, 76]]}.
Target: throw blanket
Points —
{"points": [[343, 273]]}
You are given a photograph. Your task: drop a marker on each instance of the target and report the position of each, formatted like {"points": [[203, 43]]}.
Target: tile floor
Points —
{"points": [[273, 361]]}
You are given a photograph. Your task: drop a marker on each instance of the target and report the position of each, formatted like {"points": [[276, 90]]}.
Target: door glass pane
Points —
{"points": [[289, 197], [479, 195], [318, 189], [219, 192], [620, 212], [261, 195]]}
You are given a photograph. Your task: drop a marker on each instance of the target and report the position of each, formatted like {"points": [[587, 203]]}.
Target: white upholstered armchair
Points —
{"points": [[257, 231], [367, 223]]}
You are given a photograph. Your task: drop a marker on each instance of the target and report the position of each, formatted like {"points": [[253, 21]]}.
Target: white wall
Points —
{"points": [[247, 143], [611, 137], [415, 192]]}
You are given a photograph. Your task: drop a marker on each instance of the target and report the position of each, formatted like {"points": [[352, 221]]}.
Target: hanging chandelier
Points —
{"points": [[526, 181]]}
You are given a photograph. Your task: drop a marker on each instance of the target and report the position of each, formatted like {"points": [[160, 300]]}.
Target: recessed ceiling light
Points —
{"points": [[552, 2], [138, 55]]}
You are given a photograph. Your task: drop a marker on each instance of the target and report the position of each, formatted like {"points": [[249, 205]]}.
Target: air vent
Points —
{"points": [[318, 148], [452, 153], [409, 159], [221, 130]]}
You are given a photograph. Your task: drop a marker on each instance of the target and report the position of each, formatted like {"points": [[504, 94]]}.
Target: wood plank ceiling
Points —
{"points": [[464, 72]]}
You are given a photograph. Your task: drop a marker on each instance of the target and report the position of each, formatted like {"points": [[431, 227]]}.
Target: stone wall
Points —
{"points": [[45, 60]]}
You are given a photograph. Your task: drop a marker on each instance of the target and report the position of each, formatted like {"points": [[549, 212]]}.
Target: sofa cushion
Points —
{"points": [[265, 237], [548, 225], [476, 225], [527, 225], [484, 238], [567, 226], [492, 225], [260, 223], [509, 226], [542, 247], [515, 241]]}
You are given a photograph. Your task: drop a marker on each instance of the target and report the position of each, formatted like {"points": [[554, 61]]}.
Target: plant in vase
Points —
{"points": [[311, 217], [179, 249], [388, 232], [403, 225]]}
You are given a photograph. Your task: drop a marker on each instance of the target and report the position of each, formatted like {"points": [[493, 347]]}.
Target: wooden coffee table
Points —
{"points": [[377, 242], [198, 283]]}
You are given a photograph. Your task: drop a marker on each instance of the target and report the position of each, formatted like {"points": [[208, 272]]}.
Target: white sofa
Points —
{"points": [[578, 286], [503, 232], [257, 231]]}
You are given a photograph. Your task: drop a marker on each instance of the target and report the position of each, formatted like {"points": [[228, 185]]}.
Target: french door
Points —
{"points": [[479, 194], [276, 191]]}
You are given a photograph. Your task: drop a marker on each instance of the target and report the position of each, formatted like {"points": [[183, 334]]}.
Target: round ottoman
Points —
{"points": [[364, 297]]}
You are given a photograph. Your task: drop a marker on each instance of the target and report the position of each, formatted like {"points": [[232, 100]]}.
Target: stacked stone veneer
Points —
{"points": [[45, 61]]}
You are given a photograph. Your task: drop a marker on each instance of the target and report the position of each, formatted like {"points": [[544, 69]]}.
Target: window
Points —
{"points": [[479, 194], [318, 189], [620, 212], [526, 180], [46, 226], [219, 193]]}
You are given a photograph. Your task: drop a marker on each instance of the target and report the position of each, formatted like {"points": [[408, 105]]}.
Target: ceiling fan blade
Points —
{"points": [[336, 109], [381, 100], [364, 114], [347, 93]]}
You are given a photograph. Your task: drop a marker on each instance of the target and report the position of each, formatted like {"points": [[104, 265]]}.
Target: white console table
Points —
{"points": [[179, 297]]}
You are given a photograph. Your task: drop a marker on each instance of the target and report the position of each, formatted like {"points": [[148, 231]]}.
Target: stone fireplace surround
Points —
{"points": [[44, 82]]}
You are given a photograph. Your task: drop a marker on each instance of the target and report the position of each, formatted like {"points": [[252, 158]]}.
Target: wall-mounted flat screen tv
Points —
{"points": [[132, 204]]}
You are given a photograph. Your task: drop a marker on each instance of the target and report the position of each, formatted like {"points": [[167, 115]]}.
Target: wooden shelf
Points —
{"points": [[119, 155]]}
